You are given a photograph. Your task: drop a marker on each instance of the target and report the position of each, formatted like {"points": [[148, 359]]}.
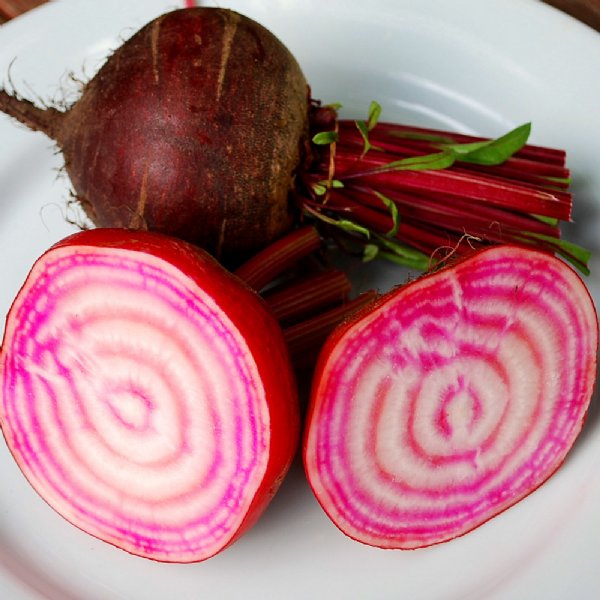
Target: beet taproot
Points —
{"points": [[194, 127]]}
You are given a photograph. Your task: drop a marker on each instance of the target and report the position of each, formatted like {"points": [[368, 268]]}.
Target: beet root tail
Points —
{"points": [[46, 120]]}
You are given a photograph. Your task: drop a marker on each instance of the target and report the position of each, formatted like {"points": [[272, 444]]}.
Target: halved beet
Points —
{"points": [[452, 399], [147, 394]]}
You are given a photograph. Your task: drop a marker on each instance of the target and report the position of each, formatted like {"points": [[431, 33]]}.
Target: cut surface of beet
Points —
{"points": [[451, 400], [147, 394]]}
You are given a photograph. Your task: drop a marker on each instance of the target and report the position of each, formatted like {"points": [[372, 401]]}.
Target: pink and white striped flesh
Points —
{"points": [[147, 394], [452, 399]]}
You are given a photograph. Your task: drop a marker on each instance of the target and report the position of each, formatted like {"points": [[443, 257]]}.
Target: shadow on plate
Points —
{"points": [[13, 562]]}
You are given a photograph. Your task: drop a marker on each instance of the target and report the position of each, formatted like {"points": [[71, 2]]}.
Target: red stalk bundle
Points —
{"points": [[415, 195], [308, 300], [452, 398]]}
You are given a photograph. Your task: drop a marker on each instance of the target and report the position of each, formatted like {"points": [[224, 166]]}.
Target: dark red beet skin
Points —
{"points": [[194, 127]]}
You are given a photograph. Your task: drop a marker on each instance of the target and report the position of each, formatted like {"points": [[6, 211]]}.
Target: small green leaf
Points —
{"points": [[579, 252], [363, 129], [391, 206], [370, 252], [552, 221], [334, 105], [374, 114], [420, 264], [325, 138], [344, 224], [492, 152], [352, 227], [487, 152], [434, 138], [333, 183], [319, 189], [403, 255], [439, 160], [365, 126], [563, 180]]}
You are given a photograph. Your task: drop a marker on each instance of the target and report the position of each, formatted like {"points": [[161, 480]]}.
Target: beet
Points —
{"points": [[201, 126], [158, 136], [147, 394], [452, 398]]}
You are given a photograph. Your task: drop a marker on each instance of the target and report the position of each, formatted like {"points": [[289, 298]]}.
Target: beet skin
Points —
{"points": [[194, 127]]}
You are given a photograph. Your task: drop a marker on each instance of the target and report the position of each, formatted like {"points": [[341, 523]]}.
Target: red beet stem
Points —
{"points": [[379, 184], [300, 299], [458, 236], [307, 306], [409, 134], [457, 215], [265, 266], [525, 172], [424, 237], [305, 337], [352, 143], [481, 189]]}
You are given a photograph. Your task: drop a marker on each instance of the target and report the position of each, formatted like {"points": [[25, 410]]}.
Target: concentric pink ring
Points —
{"points": [[120, 406], [454, 399]]}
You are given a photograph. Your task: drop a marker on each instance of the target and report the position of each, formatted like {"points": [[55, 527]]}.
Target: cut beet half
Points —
{"points": [[452, 399], [147, 394]]}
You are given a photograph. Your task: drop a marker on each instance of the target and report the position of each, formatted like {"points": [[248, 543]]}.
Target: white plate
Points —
{"points": [[467, 65]]}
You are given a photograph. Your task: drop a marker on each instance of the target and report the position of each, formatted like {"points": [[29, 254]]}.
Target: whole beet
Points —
{"points": [[194, 127]]}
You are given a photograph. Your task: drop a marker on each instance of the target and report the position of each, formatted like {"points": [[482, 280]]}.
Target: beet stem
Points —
{"points": [[385, 198], [306, 338], [265, 266], [408, 133], [478, 188], [299, 299]]}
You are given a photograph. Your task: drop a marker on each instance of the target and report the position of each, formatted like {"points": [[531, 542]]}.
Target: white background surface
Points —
{"points": [[467, 65]]}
